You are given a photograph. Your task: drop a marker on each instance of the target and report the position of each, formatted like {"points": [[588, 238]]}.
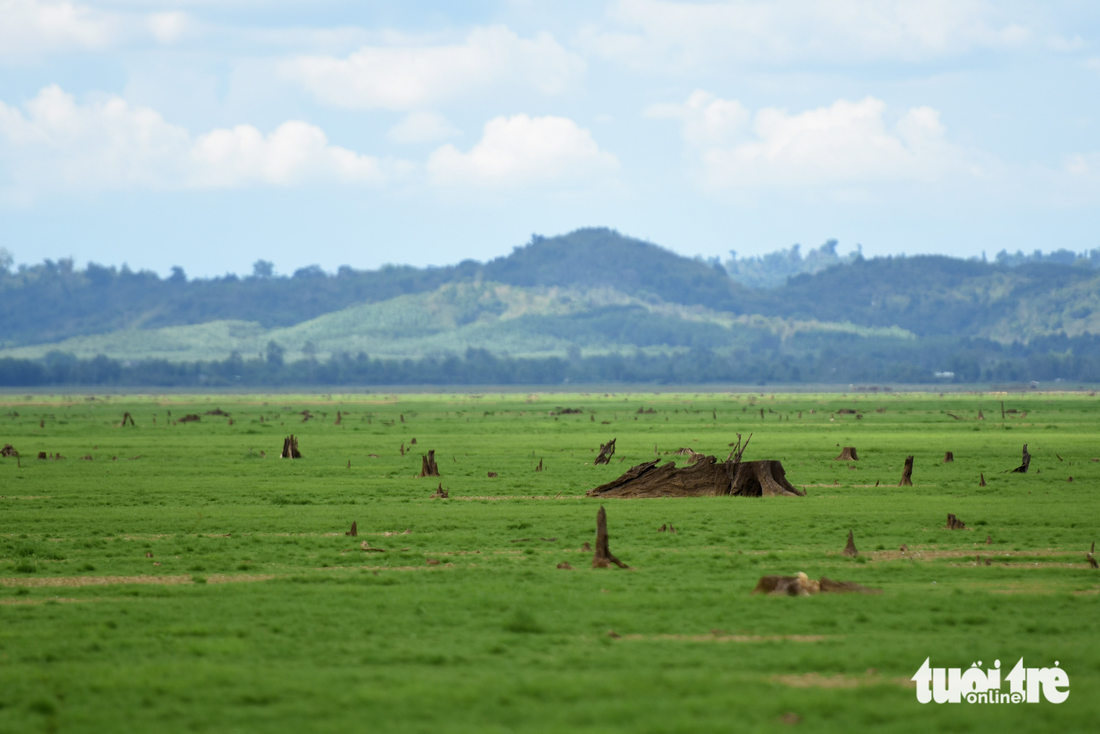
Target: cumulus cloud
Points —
{"points": [[408, 77], [54, 142], [659, 33], [422, 127], [846, 143], [523, 150], [31, 27]]}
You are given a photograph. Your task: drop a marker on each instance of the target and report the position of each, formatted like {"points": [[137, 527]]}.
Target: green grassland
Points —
{"points": [[181, 580]]}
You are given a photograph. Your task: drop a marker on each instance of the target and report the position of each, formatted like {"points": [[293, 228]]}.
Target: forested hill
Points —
{"points": [[926, 295]]}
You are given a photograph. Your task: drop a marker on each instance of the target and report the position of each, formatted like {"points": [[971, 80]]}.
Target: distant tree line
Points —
{"points": [[837, 361]]}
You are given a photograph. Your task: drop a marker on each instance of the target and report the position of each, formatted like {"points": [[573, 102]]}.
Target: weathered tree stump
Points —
{"points": [[412, 442], [607, 450], [290, 448], [980, 416], [1022, 468], [989, 540], [8, 451], [354, 532], [848, 453], [539, 467], [907, 473], [127, 417], [705, 478], [428, 466], [440, 493], [190, 418], [954, 523], [850, 548], [981, 479], [603, 557], [42, 455], [948, 457], [492, 475], [339, 418]]}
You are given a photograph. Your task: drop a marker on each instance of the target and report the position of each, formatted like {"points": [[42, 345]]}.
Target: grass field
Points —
{"points": [[182, 581]]}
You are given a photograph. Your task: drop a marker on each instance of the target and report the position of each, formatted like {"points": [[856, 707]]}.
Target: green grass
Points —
{"points": [[493, 637]]}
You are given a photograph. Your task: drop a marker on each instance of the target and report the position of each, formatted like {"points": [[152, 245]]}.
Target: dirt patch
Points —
{"points": [[115, 580], [733, 638], [820, 680]]}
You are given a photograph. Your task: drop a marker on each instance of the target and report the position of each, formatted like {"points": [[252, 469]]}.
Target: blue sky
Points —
{"points": [[209, 134]]}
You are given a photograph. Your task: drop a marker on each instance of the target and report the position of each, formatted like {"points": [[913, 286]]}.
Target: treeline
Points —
{"points": [[967, 362]]}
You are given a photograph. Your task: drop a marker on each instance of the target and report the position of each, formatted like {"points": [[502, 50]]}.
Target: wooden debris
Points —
{"points": [[989, 540], [693, 456], [981, 479], [850, 548], [803, 585], [402, 417], [290, 448], [980, 416], [127, 417], [607, 450], [565, 566], [190, 418], [948, 457], [954, 523], [354, 530], [440, 493], [603, 557], [8, 451], [306, 415], [428, 466], [1022, 468], [848, 453], [215, 411], [365, 545], [432, 561], [705, 478], [339, 418], [907, 473], [539, 467], [42, 455], [492, 475], [904, 548], [412, 442], [586, 547], [402, 448]]}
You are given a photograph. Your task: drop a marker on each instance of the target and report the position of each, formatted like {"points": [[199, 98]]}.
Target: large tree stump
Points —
{"points": [[428, 466], [290, 448], [607, 450], [848, 453], [907, 473], [705, 478], [1022, 468], [948, 457], [603, 557], [954, 523], [850, 548], [8, 450]]}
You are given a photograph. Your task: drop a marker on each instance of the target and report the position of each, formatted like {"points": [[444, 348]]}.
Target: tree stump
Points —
{"points": [[440, 493], [428, 466], [705, 478], [539, 467], [954, 523], [850, 548], [354, 532], [1022, 468], [848, 453], [127, 417], [980, 416], [948, 457], [907, 473], [290, 448], [339, 418], [603, 557], [607, 450], [981, 479], [8, 450]]}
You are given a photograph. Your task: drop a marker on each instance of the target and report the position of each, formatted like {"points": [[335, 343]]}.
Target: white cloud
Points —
{"points": [[407, 77], [1093, 63], [846, 143], [422, 127], [168, 27], [707, 120], [31, 27], [661, 34], [110, 144], [523, 150]]}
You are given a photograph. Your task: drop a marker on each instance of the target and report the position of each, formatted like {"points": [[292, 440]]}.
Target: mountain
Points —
{"points": [[590, 292]]}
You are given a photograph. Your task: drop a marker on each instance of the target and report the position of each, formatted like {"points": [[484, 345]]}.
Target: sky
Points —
{"points": [[208, 134]]}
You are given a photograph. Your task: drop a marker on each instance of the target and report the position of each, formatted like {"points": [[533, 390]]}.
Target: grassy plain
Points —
{"points": [[181, 581]]}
